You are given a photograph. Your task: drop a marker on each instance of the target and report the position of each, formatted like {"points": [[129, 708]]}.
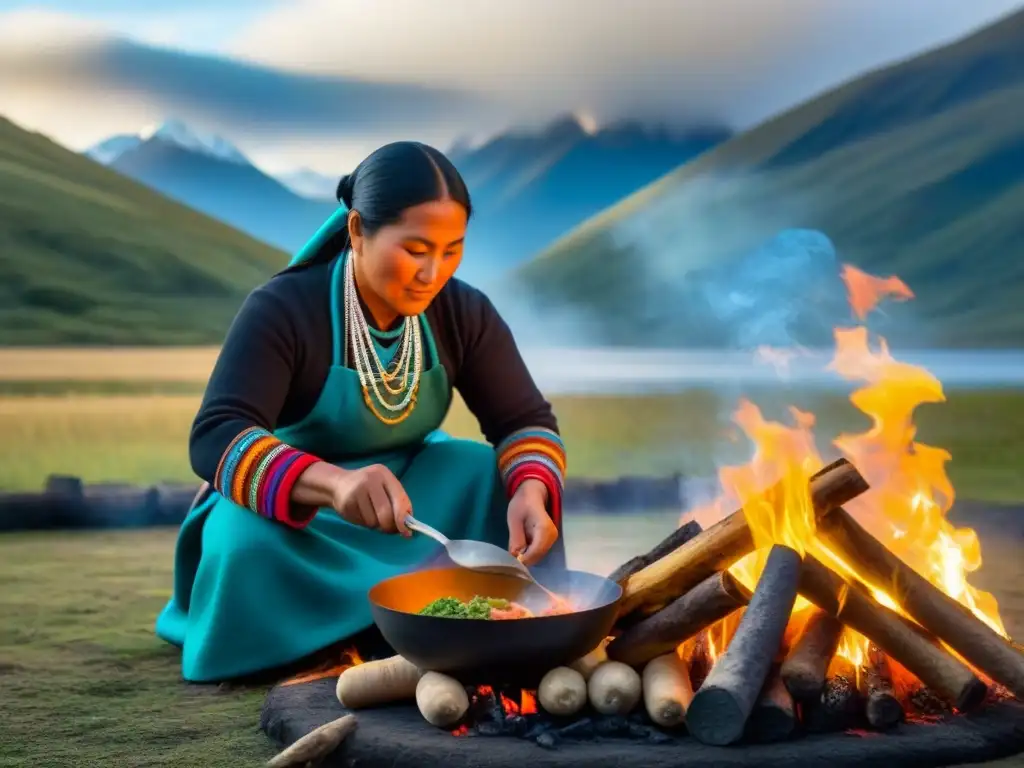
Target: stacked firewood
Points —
{"points": [[683, 587]]}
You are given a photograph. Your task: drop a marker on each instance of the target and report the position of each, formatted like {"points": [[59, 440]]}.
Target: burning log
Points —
{"points": [[719, 710], [934, 610], [905, 643], [840, 705], [882, 708], [806, 666], [774, 715], [711, 600], [721, 545], [670, 543]]}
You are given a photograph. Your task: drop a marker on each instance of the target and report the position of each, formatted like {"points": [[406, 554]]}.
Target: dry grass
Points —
{"points": [[122, 364], [144, 438]]}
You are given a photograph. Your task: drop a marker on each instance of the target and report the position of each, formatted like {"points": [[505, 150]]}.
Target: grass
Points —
{"points": [[86, 683], [88, 256], [914, 170], [143, 438]]}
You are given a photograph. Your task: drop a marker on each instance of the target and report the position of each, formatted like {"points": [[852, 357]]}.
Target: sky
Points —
{"points": [[319, 83]]}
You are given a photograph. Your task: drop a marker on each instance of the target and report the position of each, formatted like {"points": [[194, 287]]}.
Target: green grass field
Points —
{"points": [[88, 256]]}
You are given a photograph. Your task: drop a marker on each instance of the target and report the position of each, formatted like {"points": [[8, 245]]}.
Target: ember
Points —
{"points": [[494, 713]]}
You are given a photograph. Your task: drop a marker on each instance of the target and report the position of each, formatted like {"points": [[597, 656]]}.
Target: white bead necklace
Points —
{"points": [[370, 369]]}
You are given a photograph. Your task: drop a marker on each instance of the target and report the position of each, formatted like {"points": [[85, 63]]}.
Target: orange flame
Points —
{"points": [[349, 658], [867, 291], [910, 491]]}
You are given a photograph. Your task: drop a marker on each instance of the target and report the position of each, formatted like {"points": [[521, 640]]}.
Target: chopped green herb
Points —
{"points": [[453, 608]]}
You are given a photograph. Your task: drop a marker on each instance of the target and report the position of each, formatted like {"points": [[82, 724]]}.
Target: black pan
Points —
{"points": [[517, 651]]}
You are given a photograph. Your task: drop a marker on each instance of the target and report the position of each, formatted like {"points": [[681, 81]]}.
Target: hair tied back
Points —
{"points": [[344, 192]]}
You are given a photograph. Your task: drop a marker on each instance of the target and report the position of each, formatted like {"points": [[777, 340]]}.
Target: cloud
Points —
{"points": [[321, 82], [737, 61], [75, 80]]}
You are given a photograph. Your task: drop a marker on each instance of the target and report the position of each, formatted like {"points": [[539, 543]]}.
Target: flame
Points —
{"points": [[332, 668], [867, 291], [910, 490]]}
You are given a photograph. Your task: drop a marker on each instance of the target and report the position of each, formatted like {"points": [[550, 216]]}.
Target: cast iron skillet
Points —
{"points": [[517, 652]]}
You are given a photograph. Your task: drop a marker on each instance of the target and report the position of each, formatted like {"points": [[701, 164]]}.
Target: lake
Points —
{"points": [[589, 370]]}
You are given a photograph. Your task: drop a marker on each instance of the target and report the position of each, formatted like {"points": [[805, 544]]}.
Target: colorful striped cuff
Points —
{"points": [[534, 453], [258, 471]]}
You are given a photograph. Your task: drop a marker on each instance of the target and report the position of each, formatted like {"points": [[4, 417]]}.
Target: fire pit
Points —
{"points": [[815, 623], [705, 671], [396, 736]]}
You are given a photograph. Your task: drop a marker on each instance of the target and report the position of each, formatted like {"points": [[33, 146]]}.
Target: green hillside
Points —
{"points": [[88, 256], [916, 170]]}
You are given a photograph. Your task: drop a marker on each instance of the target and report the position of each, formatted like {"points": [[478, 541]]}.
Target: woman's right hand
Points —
{"points": [[372, 497]]}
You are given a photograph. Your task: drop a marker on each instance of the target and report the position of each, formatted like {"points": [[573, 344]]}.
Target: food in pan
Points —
{"points": [[492, 608]]}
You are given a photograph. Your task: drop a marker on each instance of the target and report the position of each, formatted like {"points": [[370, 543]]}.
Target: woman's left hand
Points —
{"points": [[531, 531]]}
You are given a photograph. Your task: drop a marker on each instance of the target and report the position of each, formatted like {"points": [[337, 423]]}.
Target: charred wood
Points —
{"points": [[913, 648], [840, 705], [882, 707], [944, 617], [710, 601], [774, 715], [719, 710], [805, 668]]}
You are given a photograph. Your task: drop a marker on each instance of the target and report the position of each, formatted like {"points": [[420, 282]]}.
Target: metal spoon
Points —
{"points": [[475, 555]]}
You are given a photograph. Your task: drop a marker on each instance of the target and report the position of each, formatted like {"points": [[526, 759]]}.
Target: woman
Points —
{"points": [[318, 430]]}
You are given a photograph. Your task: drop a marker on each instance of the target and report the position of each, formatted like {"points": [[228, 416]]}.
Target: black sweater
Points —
{"points": [[277, 353]]}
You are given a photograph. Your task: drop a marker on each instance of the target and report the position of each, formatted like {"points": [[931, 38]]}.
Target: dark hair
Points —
{"points": [[387, 182]]}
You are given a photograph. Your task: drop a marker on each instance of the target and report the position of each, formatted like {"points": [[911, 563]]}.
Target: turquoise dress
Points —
{"points": [[251, 594]]}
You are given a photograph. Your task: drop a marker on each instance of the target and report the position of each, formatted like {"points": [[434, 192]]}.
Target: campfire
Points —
{"points": [[833, 597]]}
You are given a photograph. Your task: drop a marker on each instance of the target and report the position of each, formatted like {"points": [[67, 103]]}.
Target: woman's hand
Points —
{"points": [[531, 531], [372, 497]]}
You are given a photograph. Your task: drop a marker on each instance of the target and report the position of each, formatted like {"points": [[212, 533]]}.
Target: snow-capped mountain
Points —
{"points": [[208, 173], [554, 177], [309, 183], [172, 131]]}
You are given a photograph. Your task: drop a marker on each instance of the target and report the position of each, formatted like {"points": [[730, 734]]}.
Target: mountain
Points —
{"points": [[553, 179], [173, 131], [530, 188], [916, 170], [88, 256], [209, 174], [309, 183]]}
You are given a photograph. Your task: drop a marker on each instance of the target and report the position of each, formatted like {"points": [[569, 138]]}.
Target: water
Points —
{"points": [[601, 543], [645, 371]]}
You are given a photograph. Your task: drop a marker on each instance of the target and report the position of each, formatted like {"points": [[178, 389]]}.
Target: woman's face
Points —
{"points": [[407, 263]]}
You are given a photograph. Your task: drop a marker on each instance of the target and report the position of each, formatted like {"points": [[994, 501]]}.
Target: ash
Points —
{"points": [[488, 717]]}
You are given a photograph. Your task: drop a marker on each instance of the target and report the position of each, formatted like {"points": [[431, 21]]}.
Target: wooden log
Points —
{"points": [[670, 543], [710, 601], [881, 706], [909, 645], [975, 641], [839, 706], [721, 545], [719, 710], [774, 715], [806, 667]]}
